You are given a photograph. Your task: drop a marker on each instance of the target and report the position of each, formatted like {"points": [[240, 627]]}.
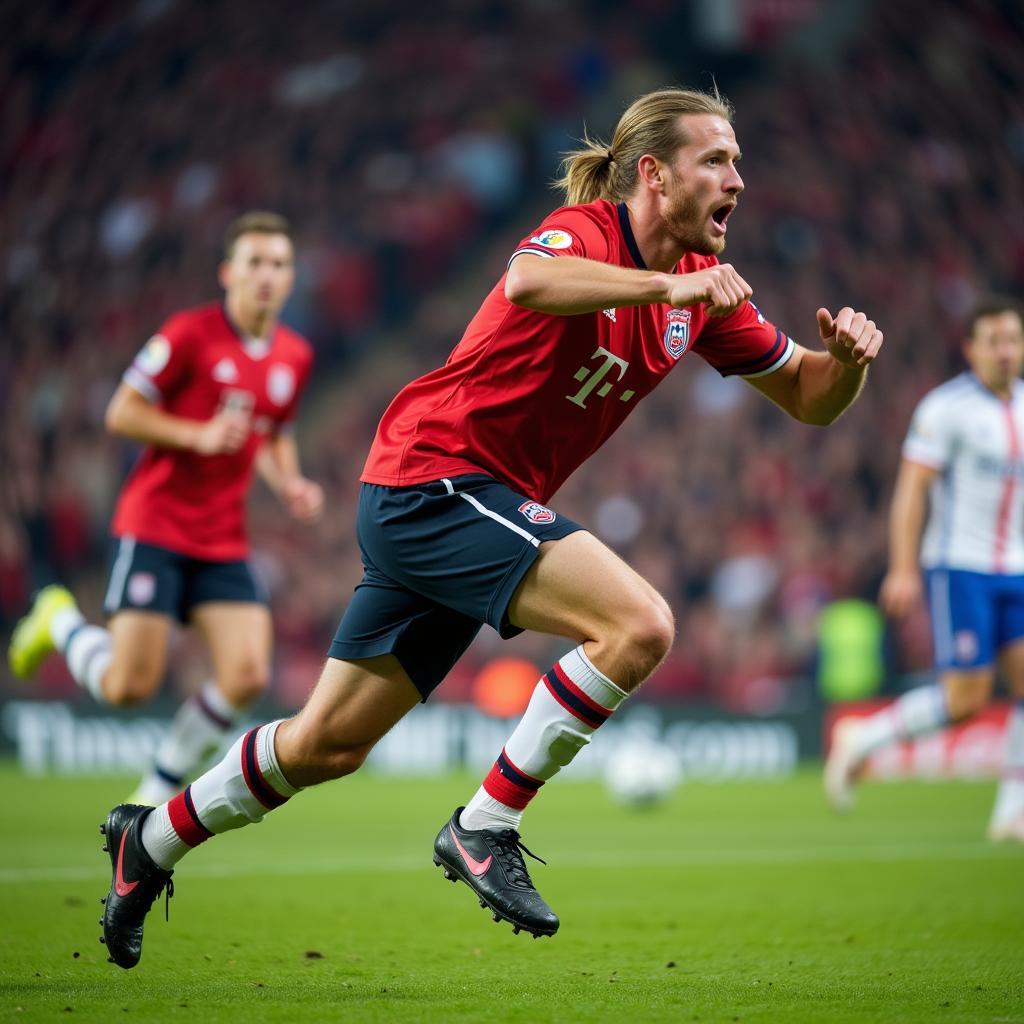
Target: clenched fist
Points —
{"points": [[720, 289], [851, 338]]}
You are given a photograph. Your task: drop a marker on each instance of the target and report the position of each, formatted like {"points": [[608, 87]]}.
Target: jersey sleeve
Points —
{"points": [[569, 231], [164, 362], [301, 365], [931, 437], [744, 344]]}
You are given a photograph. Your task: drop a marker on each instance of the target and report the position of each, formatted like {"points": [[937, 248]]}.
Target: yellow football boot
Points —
{"points": [[31, 641]]}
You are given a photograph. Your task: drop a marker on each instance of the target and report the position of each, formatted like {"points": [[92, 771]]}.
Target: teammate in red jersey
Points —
{"points": [[211, 395], [597, 305]]}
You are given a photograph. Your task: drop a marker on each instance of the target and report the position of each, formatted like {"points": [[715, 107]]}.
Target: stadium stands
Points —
{"points": [[409, 148]]}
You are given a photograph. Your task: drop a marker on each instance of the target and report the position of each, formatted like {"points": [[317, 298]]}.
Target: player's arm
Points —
{"points": [[568, 285], [901, 588], [131, 414], [815, 387], [277, 463]]}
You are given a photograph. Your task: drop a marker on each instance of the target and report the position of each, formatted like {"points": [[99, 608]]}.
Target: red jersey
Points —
{"points": [[197, 365], [527, 397]]}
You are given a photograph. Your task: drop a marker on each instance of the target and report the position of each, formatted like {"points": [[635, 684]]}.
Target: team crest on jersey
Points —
{"points": [[225, 371], [154, 356], [280, 383], [141, 588], [553, 239], [536, 512], [677, 332]]}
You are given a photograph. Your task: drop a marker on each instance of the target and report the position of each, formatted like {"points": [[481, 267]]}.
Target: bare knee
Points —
{"points": [[967, 696], [246, 683], [646, 636], [341, 761], [310, 753], [127, 685], [654, 633], [323, 762]]}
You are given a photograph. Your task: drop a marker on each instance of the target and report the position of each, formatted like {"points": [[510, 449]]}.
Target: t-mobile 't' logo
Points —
{"points": [[590, 379]]}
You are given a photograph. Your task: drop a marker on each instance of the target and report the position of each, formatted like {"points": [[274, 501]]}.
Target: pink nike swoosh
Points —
{"points": [[121, 887], [477, 867]]}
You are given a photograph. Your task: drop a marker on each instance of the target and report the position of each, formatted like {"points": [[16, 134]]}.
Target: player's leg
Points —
{"points": [[964, 622], [1007, 821], [238, 635], [362, 692], [352, 706], [123, 663], [579, 589], [139, 643], [957, 696], [477, 547]]}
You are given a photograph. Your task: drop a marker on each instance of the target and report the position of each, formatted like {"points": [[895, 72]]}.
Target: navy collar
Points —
{"points": [[627, 233]]}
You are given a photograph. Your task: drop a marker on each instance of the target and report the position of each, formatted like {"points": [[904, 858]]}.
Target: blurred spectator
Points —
{"points": [[408, 146]]}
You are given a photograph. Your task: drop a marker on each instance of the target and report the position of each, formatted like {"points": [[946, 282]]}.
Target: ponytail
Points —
{"points": [[587, 173]]}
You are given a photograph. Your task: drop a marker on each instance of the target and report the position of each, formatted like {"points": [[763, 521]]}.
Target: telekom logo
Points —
{"points": [[591, 378]]}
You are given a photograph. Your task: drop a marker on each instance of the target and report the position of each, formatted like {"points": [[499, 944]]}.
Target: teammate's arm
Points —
{"points": [[815, 387], [277, 463], [901, 588], [131, 414], [568, 285]]}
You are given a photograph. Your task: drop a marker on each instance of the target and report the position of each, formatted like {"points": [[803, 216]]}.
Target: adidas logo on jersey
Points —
{"points": [[610, 313], [225, 371]]}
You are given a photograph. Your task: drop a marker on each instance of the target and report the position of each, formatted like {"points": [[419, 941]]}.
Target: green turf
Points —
{"points": [[740, 902]]}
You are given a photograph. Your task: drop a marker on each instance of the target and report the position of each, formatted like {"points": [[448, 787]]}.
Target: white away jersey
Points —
{"points": [[975, 440]]}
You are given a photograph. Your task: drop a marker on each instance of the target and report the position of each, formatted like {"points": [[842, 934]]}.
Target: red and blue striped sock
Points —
{"points": [[238, 790], [568, 705]]}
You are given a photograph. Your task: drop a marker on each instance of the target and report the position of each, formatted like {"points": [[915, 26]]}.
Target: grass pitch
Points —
{"points": [[740, 902]]}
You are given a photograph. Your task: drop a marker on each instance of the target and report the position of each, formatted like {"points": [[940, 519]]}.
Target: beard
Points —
{"points": [[685, 222]]}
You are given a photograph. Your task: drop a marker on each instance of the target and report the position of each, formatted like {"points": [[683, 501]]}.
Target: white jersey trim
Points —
{"points": [[119, 574], [942, 617], [515, 528], [911, 454], [787, 354], [142, 384], [532, 252]]}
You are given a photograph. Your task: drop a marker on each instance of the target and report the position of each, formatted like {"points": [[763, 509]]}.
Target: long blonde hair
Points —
{"points": [[649, 125]]}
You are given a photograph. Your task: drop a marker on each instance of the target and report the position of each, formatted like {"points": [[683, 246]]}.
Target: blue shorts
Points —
{"points": [[440, 559], [147, 578], [974, 615]]}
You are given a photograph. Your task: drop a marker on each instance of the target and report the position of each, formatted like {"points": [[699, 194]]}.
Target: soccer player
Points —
{"points": [[964, 450], [211, 395], [597, 305]]}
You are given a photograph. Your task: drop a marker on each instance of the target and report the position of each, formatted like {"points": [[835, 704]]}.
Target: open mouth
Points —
{"points": [[721, 215]]}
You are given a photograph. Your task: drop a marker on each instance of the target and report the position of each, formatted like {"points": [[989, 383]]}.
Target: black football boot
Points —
{"points": [[489, 861], [137, 881]]}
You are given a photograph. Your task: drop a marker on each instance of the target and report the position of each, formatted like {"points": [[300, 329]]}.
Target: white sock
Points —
{"points": [[62, 623], [917, 712], [569, 703], [238, 790], [1010, 795], [200, 726], [88, 651]]}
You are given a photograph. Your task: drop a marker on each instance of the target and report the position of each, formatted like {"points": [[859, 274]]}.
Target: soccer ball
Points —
{"points": [[641, 773]]}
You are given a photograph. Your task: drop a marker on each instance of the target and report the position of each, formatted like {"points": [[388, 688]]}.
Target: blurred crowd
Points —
{"points": [[412, 148]]}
